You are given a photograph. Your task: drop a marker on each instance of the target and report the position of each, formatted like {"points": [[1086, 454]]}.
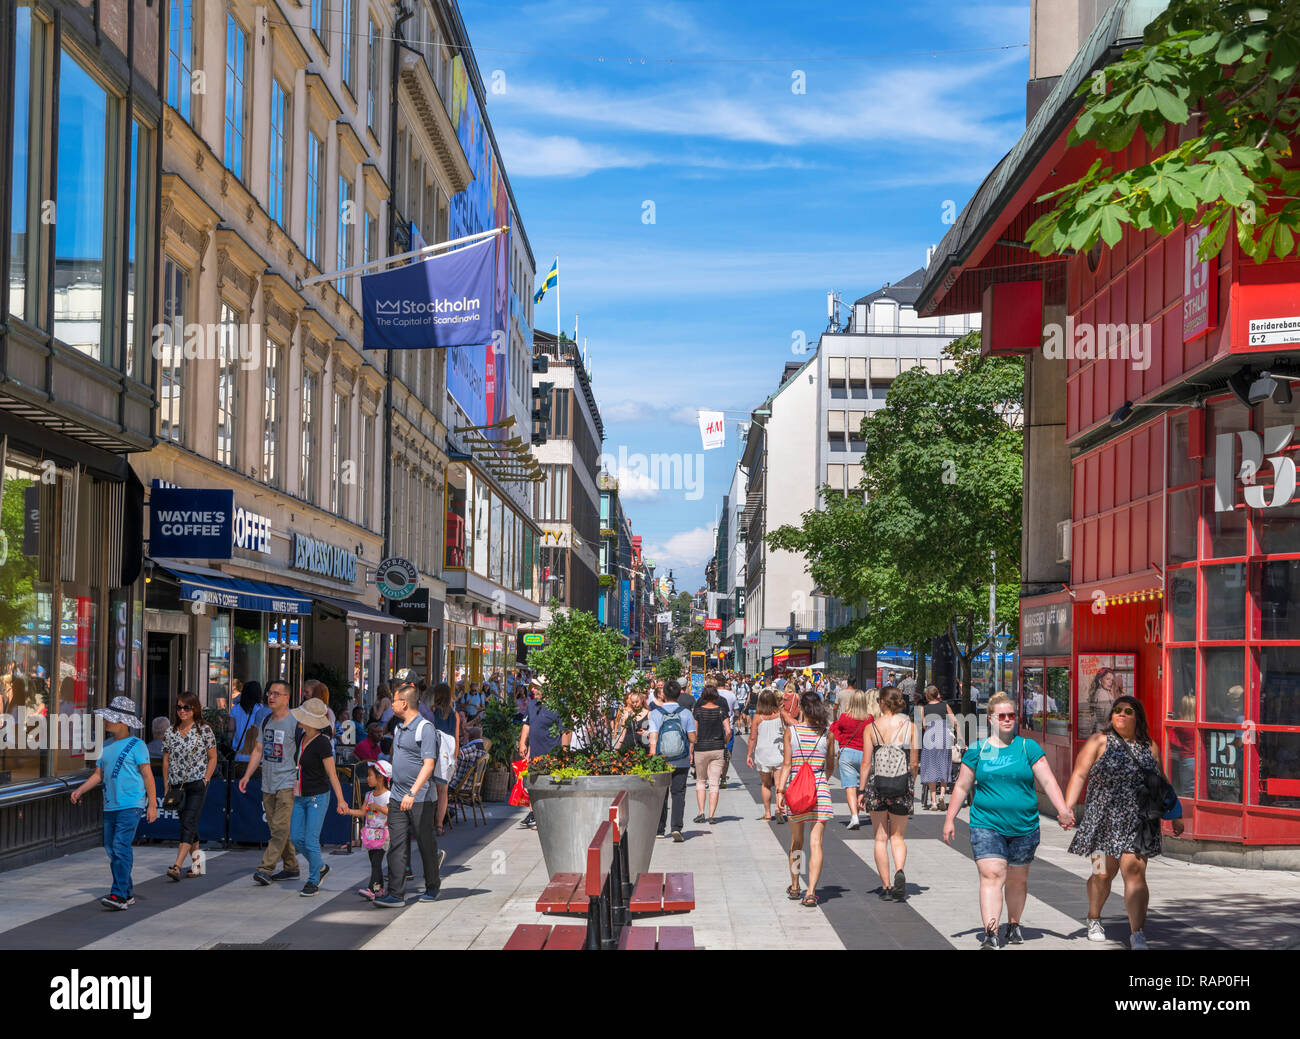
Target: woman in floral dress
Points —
{"points": [[808, 740], [1112, 763]]}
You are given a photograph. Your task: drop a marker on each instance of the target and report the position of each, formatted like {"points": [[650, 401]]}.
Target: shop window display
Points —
{"points": [[1103, 677]]}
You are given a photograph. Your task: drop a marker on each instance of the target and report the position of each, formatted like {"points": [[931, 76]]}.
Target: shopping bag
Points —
{"points": [[519, 796]]}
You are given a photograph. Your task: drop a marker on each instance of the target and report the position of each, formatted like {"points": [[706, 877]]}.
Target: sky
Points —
{"points": [[702, 207]]}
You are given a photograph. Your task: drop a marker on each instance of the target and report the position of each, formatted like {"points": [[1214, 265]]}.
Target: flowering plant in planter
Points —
{"points": [[586, 669], [568, 764]]}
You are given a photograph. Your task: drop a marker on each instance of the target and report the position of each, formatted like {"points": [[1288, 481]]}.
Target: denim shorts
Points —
{"points": [[989, 844], [850, 767]]}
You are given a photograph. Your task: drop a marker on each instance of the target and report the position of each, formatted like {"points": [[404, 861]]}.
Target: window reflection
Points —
{"points": [[1279, 598], [1279, 769], [79, 268], [1225, 597], [1279, 692]]}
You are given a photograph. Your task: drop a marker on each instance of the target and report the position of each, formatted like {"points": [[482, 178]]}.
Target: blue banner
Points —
{"points": [[191, 524], [625, 607], [440, 302]]}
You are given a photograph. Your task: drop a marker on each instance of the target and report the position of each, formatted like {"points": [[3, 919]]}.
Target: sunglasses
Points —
{"points": [[182, 707], [1001, 715], [1123, 710]]}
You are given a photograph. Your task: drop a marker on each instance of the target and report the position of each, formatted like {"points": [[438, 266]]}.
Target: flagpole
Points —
{"points": [[557, 297]]}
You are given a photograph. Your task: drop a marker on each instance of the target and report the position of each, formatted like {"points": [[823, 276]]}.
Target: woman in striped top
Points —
{"points": [[807, 740]]}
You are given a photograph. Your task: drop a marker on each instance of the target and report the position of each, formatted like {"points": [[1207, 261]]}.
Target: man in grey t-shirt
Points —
{"points": [[275, 751], [412, 802]]}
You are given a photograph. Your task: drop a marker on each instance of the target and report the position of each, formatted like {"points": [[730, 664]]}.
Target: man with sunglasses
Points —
{"points": [[274, 751]]}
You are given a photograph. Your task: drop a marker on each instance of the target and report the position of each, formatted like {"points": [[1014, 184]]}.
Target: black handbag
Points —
{"points": [[174, 800]]}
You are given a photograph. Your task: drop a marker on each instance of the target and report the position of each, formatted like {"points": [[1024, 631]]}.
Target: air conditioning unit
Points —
{"points": [[1063, 541]]}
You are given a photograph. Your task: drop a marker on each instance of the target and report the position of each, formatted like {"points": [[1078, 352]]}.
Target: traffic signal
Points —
{"points": [[542, 411]]}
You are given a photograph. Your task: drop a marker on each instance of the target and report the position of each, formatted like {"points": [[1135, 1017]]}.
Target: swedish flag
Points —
{"points": [[553, 278]]}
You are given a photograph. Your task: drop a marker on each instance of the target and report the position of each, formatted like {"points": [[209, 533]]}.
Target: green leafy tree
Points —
{"points": [[669, 668], [1223, 71], [942, 476], [17, 602], [695, 640], [681, 607], [586, 667]]}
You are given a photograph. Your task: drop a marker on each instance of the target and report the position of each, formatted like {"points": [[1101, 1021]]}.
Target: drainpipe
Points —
{"points": [[404, 14]]}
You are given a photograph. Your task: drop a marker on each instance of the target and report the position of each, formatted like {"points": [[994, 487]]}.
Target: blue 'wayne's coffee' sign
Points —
{"points": [[441, 302], [185, 523]]}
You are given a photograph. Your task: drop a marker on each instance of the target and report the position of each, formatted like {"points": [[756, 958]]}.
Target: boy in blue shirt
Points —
{"points": [[129, 792]]}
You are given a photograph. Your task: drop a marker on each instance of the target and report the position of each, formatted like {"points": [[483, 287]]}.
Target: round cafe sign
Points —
{"points": [[397, 578]]}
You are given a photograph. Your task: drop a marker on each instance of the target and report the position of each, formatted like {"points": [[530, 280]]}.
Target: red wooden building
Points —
{"points": [[1150, 565]]}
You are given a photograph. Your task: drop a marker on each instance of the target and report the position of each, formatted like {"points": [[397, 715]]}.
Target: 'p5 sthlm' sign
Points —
{"points": [[1256, 449]]}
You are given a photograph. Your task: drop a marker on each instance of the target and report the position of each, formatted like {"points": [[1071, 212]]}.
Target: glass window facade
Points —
{"points": [[236, 75], [88, 127], [53, 656], [315, 197], [1232, 627], [271, 417], [227, 393], [278, 159], [171, 359], [180, 56], [307, 452]]}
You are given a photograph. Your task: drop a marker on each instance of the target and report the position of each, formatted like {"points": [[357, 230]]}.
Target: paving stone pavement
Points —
{"points": [[494, 873]]}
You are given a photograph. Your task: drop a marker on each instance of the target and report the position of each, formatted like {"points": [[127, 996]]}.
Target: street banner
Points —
{"points": [[664, 618], [625, 607], [443, 301], [187, 523], [697, 617], [713, 429], [712, 624]]}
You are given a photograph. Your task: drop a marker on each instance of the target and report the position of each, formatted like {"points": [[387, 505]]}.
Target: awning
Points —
{"points": [[235, 593], [361, 616]]}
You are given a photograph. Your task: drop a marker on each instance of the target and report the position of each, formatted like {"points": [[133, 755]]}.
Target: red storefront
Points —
{"points": [[1181, 572]]}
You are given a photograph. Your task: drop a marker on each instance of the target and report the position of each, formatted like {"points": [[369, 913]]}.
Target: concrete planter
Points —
{"points": [[569, 811]]}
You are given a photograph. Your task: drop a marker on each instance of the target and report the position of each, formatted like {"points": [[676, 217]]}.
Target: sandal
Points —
{"points": [[174, 873], [793, 893], [809, 899]]}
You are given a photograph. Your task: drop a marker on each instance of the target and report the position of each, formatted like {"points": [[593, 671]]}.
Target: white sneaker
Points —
{"points": [[854, 822], [1096, 933], [1137, 940]]}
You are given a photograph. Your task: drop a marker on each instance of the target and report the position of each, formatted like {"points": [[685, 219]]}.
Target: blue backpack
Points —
{"points": [[672, 743]]}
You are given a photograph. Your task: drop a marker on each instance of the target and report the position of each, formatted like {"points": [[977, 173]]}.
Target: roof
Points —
{"points": [[1119, 28], [904, 291]]}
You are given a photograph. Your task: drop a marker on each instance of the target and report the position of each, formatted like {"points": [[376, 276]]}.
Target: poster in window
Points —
{"points": [[1223, 760], [1103, 677]]}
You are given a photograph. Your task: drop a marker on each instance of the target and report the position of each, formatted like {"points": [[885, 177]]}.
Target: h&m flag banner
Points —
{"points": [[713, 430]]}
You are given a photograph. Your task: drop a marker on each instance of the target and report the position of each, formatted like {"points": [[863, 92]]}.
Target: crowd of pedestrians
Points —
{"points": [[885, 746], [891, 745]]}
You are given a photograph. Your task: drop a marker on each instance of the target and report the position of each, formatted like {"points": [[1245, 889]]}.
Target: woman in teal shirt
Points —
{"points": [[1004, 816]]}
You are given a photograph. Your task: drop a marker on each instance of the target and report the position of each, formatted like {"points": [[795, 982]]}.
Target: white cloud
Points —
{"points": [[636, 485], [930, 102], [689, 548], [533, 155], [648, 410], [539, 155]]}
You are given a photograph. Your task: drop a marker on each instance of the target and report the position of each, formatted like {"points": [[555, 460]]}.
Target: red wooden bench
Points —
{"points": [[653, 893], [535, 937], [663, 893], [650, 938], [604, 893]]}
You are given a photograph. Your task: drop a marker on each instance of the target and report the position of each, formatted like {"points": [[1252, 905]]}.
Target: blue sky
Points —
{"points": [[763, 198]]}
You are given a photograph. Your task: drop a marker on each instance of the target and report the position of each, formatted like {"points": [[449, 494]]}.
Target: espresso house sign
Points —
{"points": [[321, 558]]}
